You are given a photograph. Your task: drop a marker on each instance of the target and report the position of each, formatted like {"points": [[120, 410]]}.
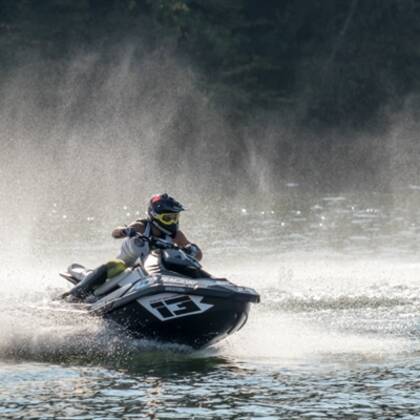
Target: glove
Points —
{"points": [[129, 232], [191, 249]]}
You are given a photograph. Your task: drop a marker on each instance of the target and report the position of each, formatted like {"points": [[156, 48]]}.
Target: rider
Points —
{"points": [[162, 223]]}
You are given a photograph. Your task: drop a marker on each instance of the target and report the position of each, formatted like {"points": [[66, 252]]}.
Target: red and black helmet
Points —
{"points": [[164, 211]]}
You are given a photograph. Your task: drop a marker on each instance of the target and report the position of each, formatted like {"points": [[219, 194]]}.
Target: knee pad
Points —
{"points": [[115, 267]]}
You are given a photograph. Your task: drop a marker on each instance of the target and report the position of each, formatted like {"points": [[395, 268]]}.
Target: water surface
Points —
{"points": [[336, 333]]}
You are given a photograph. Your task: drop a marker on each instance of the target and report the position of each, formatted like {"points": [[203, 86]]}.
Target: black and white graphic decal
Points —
{"points": [[168, 306]]}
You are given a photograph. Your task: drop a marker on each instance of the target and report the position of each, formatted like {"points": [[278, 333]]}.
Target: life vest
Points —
{"points": [[137, 248]]}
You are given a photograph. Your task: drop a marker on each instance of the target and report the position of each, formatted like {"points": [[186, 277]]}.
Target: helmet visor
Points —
{"points": [[167, 218]]}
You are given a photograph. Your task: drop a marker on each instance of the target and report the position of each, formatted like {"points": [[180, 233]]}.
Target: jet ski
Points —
{"points": [[169, 298]]}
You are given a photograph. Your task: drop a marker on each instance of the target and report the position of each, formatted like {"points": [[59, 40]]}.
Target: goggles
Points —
{"points": [[167, 218]]}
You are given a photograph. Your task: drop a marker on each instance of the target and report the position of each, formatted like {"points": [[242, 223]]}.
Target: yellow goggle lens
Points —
{"points": [[167, 218]]}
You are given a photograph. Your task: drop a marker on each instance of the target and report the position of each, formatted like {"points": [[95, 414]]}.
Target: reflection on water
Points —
{"points": [[336, 334], [210, 389]]}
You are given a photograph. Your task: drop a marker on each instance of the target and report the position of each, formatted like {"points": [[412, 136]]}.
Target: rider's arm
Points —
{"points": [[182, 241], [121, 231]]}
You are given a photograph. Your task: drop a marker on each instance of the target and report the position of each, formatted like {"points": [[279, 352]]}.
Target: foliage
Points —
{"points": [[329, 62]]}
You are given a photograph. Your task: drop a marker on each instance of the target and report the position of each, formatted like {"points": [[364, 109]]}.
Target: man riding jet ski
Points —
{"points": [[162, 223], [157, 288]]}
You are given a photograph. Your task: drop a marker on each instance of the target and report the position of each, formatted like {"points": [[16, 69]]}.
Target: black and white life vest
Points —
{"points": [[136, 249]]}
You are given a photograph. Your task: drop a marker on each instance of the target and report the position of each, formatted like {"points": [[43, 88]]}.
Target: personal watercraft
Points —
{"points": [[169, 298]]}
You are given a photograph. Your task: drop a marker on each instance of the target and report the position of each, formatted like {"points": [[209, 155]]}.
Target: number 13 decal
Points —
{"points": [[167, 306]]}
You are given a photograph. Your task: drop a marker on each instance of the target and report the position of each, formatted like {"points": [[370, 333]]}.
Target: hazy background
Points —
{"points": [[108, 100]]}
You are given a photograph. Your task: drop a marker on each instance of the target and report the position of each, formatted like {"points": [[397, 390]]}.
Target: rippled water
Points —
{"points": [[336, 334]]}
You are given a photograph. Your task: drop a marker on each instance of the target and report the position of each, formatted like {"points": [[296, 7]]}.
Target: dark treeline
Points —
{"points": [[319, 91], [330, 62]]}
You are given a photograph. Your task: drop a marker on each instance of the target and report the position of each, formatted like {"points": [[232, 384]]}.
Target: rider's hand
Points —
{"points": [[191, 249]]}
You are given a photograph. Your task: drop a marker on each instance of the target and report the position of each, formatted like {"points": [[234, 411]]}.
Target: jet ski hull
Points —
{"points": [[171, 308], [196, 330]]}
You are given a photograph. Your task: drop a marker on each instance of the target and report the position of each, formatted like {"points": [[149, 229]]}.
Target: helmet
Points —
{"points": [[164, 211]]}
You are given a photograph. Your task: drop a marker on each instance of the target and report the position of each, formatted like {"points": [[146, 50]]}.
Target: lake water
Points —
{"points": [[337, 332]]}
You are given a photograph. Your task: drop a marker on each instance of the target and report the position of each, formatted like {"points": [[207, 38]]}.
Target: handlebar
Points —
{"points": [[157, 243]]}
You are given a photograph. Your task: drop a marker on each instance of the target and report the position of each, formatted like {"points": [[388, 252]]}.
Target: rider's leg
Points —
{"points": [[132, 250], [97, 277], [94, 278]]}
